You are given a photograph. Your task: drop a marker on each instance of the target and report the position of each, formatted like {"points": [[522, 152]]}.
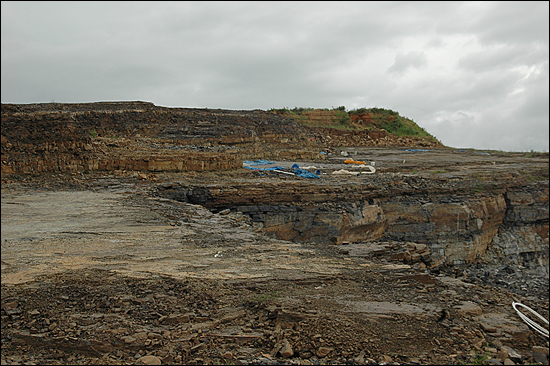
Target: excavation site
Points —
{"points": [[135, 234]]}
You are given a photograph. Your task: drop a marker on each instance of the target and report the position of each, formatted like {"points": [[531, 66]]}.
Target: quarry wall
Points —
{"points": [[500, 218]]}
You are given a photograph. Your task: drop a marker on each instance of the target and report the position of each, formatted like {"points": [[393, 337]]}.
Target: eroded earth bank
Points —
{"points": [[132, 234]]}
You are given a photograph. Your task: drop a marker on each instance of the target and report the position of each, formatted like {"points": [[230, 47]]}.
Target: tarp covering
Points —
{"points": [[304, 173], [257, 162], [351, 161], [252, 165], [271, 168]]}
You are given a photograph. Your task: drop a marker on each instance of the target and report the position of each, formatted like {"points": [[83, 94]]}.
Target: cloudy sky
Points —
{"points": [[474, 74]]}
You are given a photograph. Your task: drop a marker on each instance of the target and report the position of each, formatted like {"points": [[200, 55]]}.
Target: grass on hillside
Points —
{"points": [[386, 119]]}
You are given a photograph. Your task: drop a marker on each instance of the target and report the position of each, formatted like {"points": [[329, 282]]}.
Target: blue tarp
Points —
{"points": [[478, 152], [258, 162], [304, 173], [417, 150], [295, 169], [272, 168]]}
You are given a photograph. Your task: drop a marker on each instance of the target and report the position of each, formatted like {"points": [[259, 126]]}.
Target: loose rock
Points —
{"points": [[149, 360]]}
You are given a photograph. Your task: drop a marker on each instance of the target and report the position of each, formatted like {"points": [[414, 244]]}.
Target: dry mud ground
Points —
{"points": [[97, 271]]}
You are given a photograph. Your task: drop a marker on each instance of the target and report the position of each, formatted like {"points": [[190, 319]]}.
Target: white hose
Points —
{"points": [[530, 322], [371, 168], [282, 171]]}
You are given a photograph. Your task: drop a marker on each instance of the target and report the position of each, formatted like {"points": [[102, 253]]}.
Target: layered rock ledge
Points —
{"points": [[465, 205]]}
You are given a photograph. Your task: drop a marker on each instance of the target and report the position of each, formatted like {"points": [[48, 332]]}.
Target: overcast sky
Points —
{"points": [[474, 74]]}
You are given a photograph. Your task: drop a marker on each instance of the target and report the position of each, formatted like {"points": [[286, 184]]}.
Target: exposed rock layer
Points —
{"points": [[140, 136], [465, 216], [458, 225]]}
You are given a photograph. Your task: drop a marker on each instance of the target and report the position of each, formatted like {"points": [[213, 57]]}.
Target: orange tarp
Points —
{"points": [[351, 161]]}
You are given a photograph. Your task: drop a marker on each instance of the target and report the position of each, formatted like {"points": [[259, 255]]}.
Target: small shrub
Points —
{"points": [[266, 298]]}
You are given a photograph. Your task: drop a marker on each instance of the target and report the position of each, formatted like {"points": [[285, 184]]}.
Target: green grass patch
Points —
{"points": [[537, 175]]}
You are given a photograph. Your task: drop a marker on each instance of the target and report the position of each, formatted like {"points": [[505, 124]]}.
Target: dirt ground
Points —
{"points": [[95, 270]]}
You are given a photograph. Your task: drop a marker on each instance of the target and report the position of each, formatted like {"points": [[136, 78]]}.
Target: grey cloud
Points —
{"points": [[509, 22], [501, 57], [435, 43], [404, 61], [522, 22]]}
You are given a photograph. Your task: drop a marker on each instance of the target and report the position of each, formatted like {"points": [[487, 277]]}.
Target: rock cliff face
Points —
{"points": [[375, 137], [460, 231], [140, 136], [506, 225], [523, 235]]}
